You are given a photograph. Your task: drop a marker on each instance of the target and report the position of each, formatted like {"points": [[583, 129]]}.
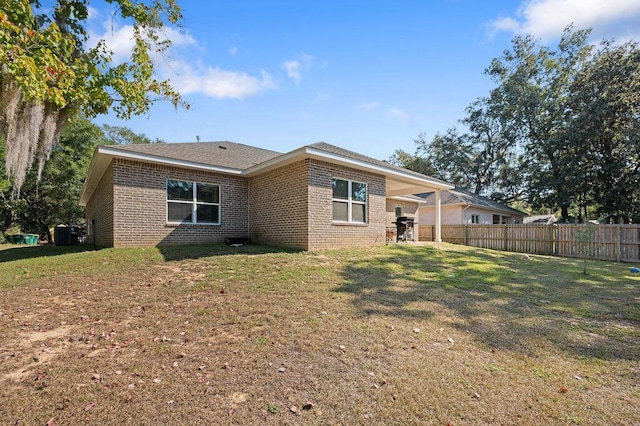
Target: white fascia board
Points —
{"points": [[105, 154], [87, 190], [408, 199], [310, 152], [274, 163], [386, 171], [146, 158]]}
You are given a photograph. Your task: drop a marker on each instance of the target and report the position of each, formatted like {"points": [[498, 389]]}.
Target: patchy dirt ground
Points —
{"points": [[395, 335]]}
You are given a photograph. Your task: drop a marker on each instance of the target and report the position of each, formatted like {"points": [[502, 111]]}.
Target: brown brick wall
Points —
{"points": [[99, 212], [409, 210], [290, 206], [323, 232], [140, 206], [278, 206]]}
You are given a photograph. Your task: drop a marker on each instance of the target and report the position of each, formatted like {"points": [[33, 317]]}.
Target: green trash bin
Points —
{"points": [[19, 239], [11, 239], [31, 239]]}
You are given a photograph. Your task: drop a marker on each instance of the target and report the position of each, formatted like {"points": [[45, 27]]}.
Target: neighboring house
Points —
{"points": [[460, 206], [318, 196]]}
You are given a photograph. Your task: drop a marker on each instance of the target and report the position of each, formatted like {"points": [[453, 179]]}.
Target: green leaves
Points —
{"points": [[43, 53]]}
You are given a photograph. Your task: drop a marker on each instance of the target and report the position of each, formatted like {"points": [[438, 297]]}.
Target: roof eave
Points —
{"points": [[105, 154], [317, 154]]}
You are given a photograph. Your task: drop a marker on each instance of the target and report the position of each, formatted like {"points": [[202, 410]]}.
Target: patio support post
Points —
{"points": [[438, 238]]}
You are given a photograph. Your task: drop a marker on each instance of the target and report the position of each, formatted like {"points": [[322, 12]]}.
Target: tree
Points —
{"points": [[48, 74], [412, 162], [532, 99], [605, 107], [118, 135], [53, 199], [475, 159]]}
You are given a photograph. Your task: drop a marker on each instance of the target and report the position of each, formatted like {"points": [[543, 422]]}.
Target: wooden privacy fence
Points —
{"points": [[619, 243]]}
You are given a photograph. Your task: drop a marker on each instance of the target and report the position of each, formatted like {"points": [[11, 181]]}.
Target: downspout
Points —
{"points": [[438, 211], [249, 210]]}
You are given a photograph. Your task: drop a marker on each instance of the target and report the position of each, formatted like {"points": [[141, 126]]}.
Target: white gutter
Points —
{"points": [[310, 152]]}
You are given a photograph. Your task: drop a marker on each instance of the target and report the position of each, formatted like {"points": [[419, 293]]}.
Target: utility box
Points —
{"points": [[62, 236]]}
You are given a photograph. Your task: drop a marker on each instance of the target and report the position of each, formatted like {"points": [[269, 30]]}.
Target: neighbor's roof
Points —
{"points": [[459, 196], [546, 219], [244, 160]]}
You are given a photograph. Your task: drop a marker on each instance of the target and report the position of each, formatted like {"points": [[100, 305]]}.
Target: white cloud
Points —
{"points": [[401, 116], [218, 83], [185, 77], [295, 67], [368, 106], [548, 18], [119, 40]]}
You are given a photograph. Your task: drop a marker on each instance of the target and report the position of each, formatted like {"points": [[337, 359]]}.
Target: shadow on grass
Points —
{"points": [[12, 252], [197, 251], [503, 300]]}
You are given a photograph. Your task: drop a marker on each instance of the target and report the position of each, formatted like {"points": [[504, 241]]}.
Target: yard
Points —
{"points": [[401, 334]]}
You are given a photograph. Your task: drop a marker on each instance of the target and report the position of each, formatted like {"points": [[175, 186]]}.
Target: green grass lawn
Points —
{"points": [[401, 334]]}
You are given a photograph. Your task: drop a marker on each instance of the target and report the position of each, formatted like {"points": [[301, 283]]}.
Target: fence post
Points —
{"points": [[554, 246], [618, 243], [465, 236], [505, 237]]}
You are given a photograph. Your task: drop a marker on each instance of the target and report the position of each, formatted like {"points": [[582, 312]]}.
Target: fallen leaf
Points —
{"points": [[308, 406], [564, 390], [89, 406], [293, 409], [51, 422], [416, 330]]}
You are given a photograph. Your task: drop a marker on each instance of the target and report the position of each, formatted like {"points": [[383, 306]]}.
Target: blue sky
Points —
{"points": [[368, 76]]}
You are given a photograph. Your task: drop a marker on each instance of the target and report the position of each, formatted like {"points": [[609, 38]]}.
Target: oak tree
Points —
{"points": [[49, 73]]}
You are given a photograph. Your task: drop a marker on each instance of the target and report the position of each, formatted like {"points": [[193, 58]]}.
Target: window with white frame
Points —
{"points": [[475, 218], [193, 202], [349, 201]]}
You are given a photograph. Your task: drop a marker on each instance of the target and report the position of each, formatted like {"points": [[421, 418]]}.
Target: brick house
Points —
{"points": [[315, 197]]}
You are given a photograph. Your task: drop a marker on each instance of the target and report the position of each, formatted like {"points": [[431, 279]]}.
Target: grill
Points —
{"points": [[404, 229]]}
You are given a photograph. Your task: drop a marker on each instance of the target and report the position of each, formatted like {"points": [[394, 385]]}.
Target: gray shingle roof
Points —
{"points": [[222, 154], [462, 196], [332, 149]]}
